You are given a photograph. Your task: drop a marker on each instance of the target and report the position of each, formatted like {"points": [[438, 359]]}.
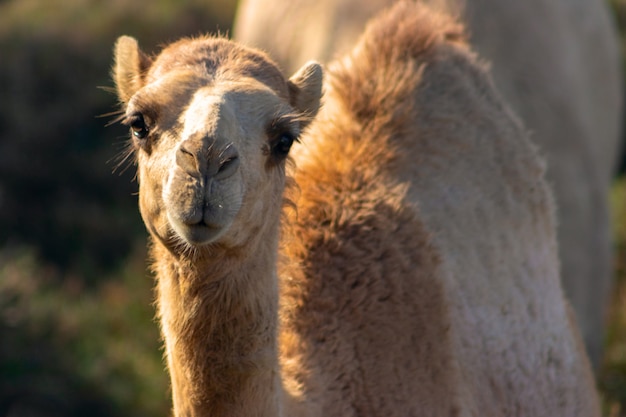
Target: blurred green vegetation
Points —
{"points": [[77, 334], [612, 376], [66, 349]]}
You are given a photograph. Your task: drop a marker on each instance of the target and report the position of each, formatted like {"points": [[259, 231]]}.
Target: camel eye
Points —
{"points": [[283, 145], [138, 126]]}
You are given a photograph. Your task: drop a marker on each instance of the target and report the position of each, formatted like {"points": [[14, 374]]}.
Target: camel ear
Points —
{"points": [[130, 67], [305, 88]]}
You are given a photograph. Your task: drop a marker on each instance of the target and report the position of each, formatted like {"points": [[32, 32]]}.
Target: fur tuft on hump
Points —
{"points": [[409, 29], [386, 65], [370, 93], [370, 107]]}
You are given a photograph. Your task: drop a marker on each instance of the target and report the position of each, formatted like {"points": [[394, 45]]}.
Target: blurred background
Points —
{"points": [[77, 329]]}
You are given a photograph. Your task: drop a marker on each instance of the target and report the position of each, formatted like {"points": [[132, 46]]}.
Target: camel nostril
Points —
{"points": [[187, 161], [228, 166]]}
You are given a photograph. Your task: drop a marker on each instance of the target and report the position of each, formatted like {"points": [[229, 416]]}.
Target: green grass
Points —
{"points": [[105, 335], [612, 377]]}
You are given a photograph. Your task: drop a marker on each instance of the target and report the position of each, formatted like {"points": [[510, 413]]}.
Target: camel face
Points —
{"points": [[217, 151], [211, 142]]}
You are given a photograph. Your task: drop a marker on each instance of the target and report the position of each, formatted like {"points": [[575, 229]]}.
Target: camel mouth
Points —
{"points": [[199, 214], [201, 234], [198, 234]]}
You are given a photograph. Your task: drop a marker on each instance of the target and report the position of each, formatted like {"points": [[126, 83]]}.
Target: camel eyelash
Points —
{"points": [[284, 125], [282, 133], [138, 126]]}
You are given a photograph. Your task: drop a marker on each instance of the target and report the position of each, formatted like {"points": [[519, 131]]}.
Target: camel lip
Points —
{"points": [[197, 234], [202, 234]]}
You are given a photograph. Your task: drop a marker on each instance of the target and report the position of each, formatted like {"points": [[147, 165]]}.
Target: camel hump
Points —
{"points": [[409, 30], [377, 82]]}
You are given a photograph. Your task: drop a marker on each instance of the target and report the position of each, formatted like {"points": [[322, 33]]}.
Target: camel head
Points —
{"points": [[211, 124]]}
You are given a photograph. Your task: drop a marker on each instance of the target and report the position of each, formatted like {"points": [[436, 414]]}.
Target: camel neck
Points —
{"points": [[219, 321]]}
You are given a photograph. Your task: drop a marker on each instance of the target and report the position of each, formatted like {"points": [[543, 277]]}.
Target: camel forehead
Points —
{"points": [[218, 58], [207, 113], [232, 108]]}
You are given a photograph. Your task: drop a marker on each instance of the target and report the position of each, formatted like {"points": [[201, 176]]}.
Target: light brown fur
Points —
{"points": [[421, 274], [556, 62], [211, 180], [418, 271]]}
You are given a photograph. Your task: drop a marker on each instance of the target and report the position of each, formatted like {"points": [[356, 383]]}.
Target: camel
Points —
{"points": [[556, 62], [211, 123], [412, 269]]}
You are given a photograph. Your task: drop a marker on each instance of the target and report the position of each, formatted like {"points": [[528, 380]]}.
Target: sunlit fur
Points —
{"points": [[419, 276], [556, 62]]}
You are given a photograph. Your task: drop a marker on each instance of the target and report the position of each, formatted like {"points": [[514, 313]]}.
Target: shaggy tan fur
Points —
{"points": [[556, 62], [420, 272], [418, 269]]}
